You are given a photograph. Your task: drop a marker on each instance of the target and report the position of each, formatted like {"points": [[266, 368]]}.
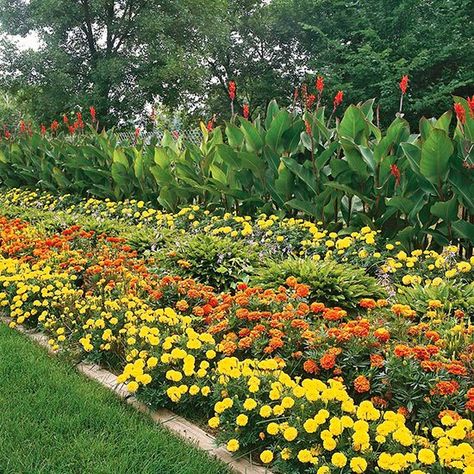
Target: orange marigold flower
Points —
{"points": [[302, 290], [403, 411], [182, 305], [367, 303], [376, 360], [379, 402], [382, 334], [334, 314], [402, 351], [445, 388], [432, 336], [361, 384], [453, 414], [245, 343], [311, 366], [291, 281], [317, 307], [456, 368], [470, 393], [327, 361], [300, 324], [470, 404]]}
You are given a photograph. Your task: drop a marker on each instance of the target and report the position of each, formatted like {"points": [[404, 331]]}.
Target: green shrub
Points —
{"points": [[331, 283], [451, 295], [221, 262]]}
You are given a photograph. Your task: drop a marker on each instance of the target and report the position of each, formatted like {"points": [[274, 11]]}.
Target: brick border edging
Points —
{"points": [[174, 423]]}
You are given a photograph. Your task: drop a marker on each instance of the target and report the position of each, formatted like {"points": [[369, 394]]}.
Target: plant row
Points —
{"points": [[416, 186], [304, 385]]}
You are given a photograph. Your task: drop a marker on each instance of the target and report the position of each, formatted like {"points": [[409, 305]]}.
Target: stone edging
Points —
{"points": [[175, 423]]}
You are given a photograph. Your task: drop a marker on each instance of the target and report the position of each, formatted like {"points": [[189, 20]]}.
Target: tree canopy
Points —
{"points": [[119, 55]]}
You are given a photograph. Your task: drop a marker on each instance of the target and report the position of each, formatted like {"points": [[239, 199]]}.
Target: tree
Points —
{"points": [[364, 47], [115, 55]]}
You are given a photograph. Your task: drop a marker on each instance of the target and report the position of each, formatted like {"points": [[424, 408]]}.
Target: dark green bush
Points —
{"points": [[331, 283], [221, 262]]}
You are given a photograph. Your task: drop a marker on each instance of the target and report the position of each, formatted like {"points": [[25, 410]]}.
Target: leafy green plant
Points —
{"points": [[331, 283], [220, 262], [451, 295]]}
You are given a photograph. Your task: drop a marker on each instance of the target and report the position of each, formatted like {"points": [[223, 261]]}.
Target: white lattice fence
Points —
{"points": [[190, 136]]}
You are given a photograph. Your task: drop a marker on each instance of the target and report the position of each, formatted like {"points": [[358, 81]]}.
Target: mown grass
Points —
{"points": [[53, 420]]}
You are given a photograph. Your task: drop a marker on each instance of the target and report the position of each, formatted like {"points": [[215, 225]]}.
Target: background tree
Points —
{"points": [[364, 47], [114, 55]]}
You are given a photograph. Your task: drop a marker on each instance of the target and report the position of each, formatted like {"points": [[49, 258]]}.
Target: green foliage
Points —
{"points": [[365, 47], [451, 295], [220, 262], [413, 187], [331, 283]]}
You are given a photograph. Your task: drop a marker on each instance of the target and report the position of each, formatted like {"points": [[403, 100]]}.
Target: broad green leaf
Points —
{"points": [[280, 123], [435, 154], [253, 139], [445, 210]]}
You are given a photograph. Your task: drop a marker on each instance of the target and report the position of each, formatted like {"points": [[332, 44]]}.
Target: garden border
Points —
{"points": [[190, 432]]}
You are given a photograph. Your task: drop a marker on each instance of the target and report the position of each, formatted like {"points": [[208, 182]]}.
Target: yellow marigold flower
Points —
{"points": [[287, 402], [250, 404], [132, 386], [286, 454], [426, 456], [310, 426], [266, 456], [273, 429], [242, 420], [305, 456], [233, 445], [290, 433], [265, 411], [323, 470], [358, 465], [339, 459], [152, 362], [329, 444], [213, 422]]}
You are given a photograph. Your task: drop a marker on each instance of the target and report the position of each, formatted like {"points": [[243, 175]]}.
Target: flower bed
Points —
{"points": [[305, 386]]}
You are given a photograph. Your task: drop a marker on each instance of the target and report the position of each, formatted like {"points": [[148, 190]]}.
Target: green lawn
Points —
{"points": [[53, 420]]}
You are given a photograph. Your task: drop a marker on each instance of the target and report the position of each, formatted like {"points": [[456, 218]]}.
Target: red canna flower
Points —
{"points": [[7, 134], [394, 170], [43, 130], [320, 84], [22, 126], [470, 102], [460, 112], [309, 130], [54, 126], [210, 125], [404, 84], [246, 111], [71, 129], [338, 98], [92, 112], [310, 99], [232, 89], [137, 132], [65, 119]]}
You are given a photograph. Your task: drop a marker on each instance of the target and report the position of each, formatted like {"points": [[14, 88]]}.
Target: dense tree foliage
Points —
{"points": [[121, 54]]}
